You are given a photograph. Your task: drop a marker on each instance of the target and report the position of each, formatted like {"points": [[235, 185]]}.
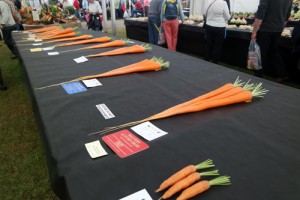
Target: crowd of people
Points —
{"points": [[166, 15]]}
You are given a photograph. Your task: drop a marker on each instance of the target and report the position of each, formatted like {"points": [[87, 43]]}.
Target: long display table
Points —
{"points": [[256, 144], [191, 39]]}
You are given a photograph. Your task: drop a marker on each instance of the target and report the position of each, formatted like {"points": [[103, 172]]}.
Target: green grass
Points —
{"points": [[23, 171]]}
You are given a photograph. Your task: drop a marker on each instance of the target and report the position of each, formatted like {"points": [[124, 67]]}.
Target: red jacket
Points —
{"points": [[76, 4]]}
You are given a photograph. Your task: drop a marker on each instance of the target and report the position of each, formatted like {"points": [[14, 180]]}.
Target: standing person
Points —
{"points": [[154, 19], [270, 20], [94, 15], [7, 25], [170, 10], [76, 5], [146, 7], [117, 8], [217, 15]]}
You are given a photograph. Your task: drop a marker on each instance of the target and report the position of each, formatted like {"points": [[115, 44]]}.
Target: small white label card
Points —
{"points": [[31, 35], [53, 53], [106, 113], [95, 149], [48, 48], [140, 195], [148, 131], [32, 39], [81, 59], [15, 31], [91, 83], [38, 40], [37, 44], [36, 49]]}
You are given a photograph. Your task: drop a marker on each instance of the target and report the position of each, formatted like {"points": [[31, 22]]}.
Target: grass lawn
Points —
{"points": [[23, 171]]}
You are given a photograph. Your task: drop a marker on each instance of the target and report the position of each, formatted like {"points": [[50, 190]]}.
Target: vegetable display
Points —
{"points": [[183, 173], [186, 182], [123, 50], [153, 64], [223, 96], [202, 186], [115, 43], [45, 29], [93, 40]]}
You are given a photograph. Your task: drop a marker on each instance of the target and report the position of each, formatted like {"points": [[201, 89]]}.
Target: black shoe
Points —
{"points": [[3, 87]]}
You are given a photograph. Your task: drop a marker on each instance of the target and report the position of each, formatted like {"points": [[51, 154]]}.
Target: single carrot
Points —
{"points": [[186, 182], [179, 175], [93, 40], [123, 50], [115, 43], [202, 186], [154, 64]]}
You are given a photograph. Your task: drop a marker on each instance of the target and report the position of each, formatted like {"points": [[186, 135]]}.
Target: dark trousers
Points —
{"points": [[270, 56], [152, 30], [8, 38], [214, 41]]}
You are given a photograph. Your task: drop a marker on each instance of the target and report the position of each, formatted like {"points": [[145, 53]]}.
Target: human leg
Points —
{"points": [[167, 28], [263, 40], [219, 34], [208, 43], [276, 57], [174, 32]]}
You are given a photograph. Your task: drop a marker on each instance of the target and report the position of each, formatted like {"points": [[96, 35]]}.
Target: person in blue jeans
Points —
{"points": [[154, 19]]}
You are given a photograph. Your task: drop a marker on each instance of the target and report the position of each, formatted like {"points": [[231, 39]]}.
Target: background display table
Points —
{"points": [[256, 143], [191, 39]]}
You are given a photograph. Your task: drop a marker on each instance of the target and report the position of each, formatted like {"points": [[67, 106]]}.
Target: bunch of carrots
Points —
{"points": [[124, 50], [114, 43], [187, 179], [228, 94], [55, 33], [153, 64]]}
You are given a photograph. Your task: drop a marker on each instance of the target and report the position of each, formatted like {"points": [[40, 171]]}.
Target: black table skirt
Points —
{"points": [[191, 40], [256, 143]]}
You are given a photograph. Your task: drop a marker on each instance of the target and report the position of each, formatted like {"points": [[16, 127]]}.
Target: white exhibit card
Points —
{"points": [[48, 48], [37, 44], [140, 195], [81, 59], [31, 35], [91, 83], [53, 53], [32, 38], [95, 149], [148, 131], [38, 40], [104, 110], [35, 15], [36, 49]]}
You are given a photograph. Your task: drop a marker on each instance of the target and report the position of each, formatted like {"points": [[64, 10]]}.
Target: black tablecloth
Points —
{"points": [[191, 39], [256, 143]]}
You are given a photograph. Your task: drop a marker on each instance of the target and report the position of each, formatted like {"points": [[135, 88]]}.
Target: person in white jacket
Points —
{"points": [[217, 15]]}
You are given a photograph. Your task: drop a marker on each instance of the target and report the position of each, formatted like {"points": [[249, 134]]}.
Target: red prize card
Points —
{"points": [[124, 143]]}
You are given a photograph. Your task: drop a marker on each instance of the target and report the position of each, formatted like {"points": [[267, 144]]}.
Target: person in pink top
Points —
{"points": [[146, 7]]}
